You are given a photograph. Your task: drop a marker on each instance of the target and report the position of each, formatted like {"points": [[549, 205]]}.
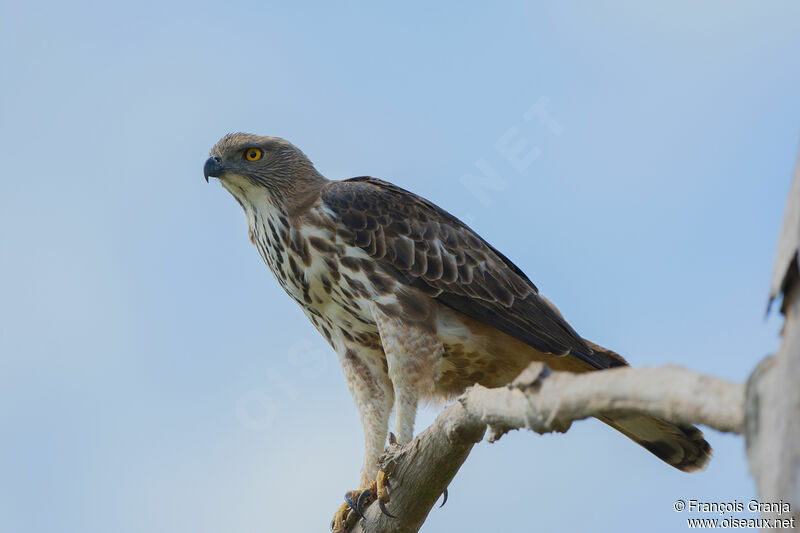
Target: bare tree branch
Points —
{"points": [[773, 390], [542, 401], [787, 267]]}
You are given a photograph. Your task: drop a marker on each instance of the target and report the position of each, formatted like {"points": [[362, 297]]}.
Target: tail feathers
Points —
{"points": [[680, 446]]}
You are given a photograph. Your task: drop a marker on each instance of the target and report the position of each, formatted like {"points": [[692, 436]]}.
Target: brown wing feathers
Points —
{"points": [[427, 247]]}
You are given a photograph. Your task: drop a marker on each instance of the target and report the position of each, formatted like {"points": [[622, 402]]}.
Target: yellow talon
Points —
{"points": [[337, 524], [382, 486], [357, 500]]}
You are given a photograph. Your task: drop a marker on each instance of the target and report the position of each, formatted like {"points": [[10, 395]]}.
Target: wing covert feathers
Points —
{"points": [[425, 246]]}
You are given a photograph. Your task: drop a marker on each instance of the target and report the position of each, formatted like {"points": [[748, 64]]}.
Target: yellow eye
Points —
{"points": [[253, 154]]}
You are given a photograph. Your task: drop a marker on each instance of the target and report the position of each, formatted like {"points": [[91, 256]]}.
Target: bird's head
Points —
{"points": [[250, 166]]}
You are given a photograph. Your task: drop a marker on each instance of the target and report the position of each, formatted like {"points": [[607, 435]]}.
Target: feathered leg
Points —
{"points": [[372, 392]]}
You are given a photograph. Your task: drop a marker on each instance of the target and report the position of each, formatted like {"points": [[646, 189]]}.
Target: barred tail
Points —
{"points": [[680, 446]]}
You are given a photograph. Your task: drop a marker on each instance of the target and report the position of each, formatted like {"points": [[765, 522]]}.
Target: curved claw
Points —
{"points": [[365, 495], [348, 499], [384, 510], [444, 499]]}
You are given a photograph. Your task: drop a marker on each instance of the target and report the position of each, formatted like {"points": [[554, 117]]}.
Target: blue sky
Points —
{"points": [[633, 158]]}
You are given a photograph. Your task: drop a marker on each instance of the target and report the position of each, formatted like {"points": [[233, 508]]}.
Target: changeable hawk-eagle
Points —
{"points": [[415, 304]]}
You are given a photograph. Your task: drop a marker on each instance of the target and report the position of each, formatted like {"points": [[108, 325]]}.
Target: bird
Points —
{"points": [[416, 305]]}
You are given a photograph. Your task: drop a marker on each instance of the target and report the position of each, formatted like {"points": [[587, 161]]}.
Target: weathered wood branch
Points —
{"points": [[542, 401], [773, 390]]}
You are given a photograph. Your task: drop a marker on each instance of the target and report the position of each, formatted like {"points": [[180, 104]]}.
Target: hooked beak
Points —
{"points": [[213, 167]]}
